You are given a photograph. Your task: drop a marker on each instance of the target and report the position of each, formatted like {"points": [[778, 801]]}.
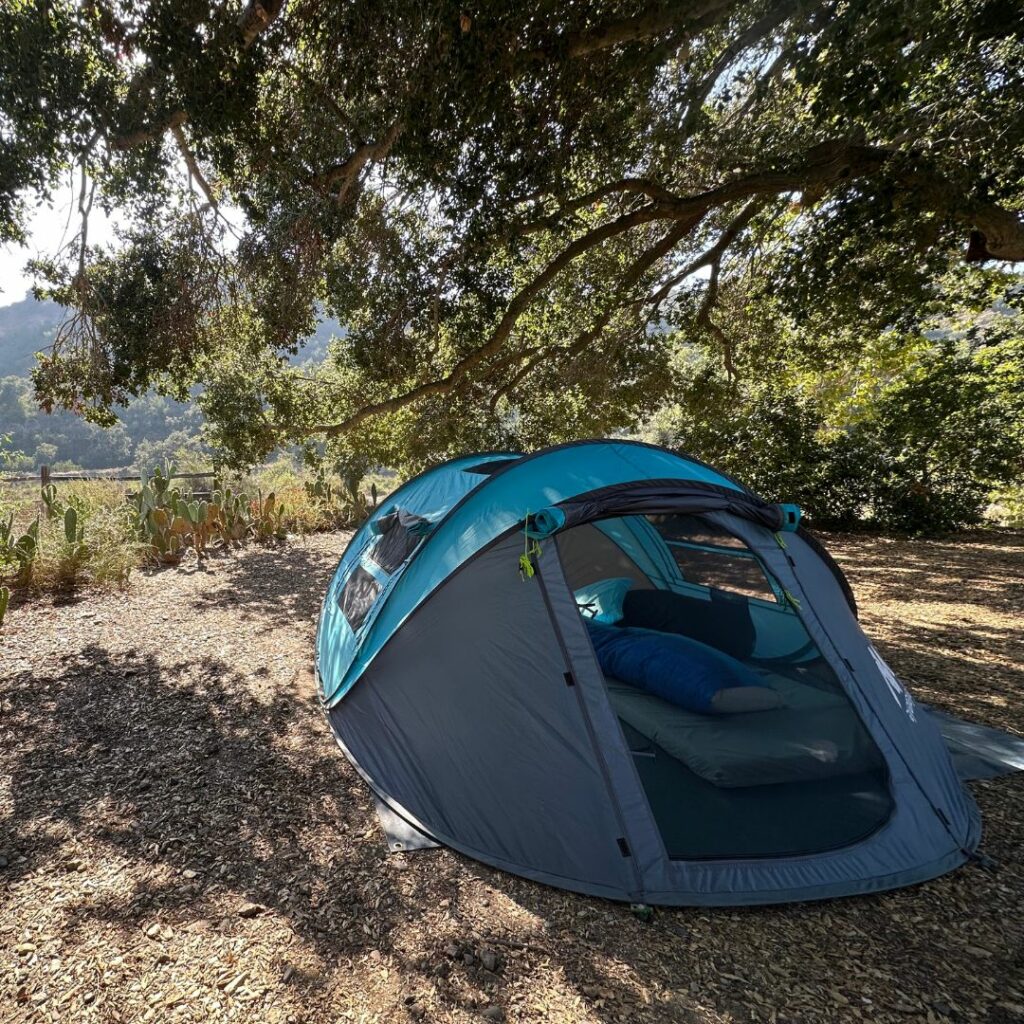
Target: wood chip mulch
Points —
{"points": [[180, 839]]}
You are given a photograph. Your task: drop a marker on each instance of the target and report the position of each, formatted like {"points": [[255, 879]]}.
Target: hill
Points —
{"points": [[26, 327], [150, 429]]}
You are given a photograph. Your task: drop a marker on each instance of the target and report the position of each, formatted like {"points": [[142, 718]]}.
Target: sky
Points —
{"points": [[48, 229], [53, 226]]}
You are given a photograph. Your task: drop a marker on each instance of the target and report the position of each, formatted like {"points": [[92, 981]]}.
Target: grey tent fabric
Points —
{"points": [[979, 751], [435, 696]]}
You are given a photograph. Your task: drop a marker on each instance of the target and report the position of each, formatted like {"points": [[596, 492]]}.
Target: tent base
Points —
{"points": [[402, 837], [979, 751]]}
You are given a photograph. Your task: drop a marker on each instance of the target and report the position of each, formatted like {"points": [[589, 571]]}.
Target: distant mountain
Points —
{"points": [[150, 429], [26, 327], [315, 347]]}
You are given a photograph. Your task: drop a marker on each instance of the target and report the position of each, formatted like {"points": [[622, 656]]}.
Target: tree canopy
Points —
{"points": [[515, 209]]}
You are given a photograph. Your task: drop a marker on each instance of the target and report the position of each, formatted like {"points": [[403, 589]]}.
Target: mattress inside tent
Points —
{"points": [[812, 736], [710, 777], [720, 783]]}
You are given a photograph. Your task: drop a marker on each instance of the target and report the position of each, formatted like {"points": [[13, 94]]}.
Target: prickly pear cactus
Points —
{"points": [[268, 515], [74, 526], [19, 549], [51, 503]]}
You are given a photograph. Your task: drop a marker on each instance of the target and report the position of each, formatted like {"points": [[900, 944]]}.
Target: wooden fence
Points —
{"points": [[45, 476]]}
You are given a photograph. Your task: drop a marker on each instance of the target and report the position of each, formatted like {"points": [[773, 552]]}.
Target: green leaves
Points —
{"points": [[911, 432], [511, 220]]}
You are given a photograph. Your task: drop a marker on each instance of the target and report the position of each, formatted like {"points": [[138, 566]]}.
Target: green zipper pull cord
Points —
{"points": [[791, 599], [531, 550], [780, 541]]}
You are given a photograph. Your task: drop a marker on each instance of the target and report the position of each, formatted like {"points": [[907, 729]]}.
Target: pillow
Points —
{"points": [[677, 669], [722, 621], [602, 600]]}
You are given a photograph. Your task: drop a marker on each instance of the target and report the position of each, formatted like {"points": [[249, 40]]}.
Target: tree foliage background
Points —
{"points": [[541, 222]]}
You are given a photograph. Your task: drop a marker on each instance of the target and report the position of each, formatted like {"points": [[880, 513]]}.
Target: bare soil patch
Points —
{"points": [[181, 840]]}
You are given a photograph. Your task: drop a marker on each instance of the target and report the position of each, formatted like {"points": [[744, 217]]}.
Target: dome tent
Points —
{"points": [[469, 693]]}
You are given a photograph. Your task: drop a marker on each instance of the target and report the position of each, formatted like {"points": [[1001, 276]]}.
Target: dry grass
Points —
{"points": [[184, 842], [111, 551]]}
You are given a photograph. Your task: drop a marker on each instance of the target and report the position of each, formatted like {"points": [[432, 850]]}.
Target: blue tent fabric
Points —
{"points": [[501, 501], [472, 702]]}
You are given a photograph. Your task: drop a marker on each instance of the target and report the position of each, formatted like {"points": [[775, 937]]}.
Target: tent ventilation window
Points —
{"points": [[400, 532], [357, 597], [711, 557], [492, 466]]}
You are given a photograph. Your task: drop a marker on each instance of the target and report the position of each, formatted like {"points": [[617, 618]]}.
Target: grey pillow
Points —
{"points": [[737, 700]]}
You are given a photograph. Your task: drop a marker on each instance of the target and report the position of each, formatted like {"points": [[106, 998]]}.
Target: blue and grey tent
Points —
{"points": [[616, 670]]}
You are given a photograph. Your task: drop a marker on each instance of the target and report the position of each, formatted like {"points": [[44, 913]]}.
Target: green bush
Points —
{"points": [[921, 454]]}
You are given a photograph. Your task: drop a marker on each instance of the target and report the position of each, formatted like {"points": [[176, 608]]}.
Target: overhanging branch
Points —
{"points": [[147, 133], [828, 162], [499, 335], [629, 280], [193, 165], [712, 254], [345, 174], [636, 186], [754, 34], [256, 17], [656, 21], [996, 233]]}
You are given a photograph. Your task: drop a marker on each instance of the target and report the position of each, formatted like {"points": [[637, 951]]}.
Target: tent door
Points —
{"points": [[639, 838], [804, 777]]}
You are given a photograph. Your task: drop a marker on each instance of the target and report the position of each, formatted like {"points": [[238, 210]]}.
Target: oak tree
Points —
{"points": [[510, 206]]}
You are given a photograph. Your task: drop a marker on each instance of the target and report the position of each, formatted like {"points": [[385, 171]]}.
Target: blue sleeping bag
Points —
{"points": [[673, 667]]}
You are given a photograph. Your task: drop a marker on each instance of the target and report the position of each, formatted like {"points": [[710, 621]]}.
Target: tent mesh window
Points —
{"points": [[397, 540], [357, 596], [589, 555], [799, 778], [708, 555]]}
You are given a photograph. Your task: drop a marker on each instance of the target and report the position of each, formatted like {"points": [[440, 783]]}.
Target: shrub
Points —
{"points": [[920, 453]]}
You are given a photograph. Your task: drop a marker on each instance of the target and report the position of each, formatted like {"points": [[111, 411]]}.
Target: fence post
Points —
{"points": [[44, 476]]}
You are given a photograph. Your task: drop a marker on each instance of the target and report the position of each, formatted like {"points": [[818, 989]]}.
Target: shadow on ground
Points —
{"points": [[194, 795]]}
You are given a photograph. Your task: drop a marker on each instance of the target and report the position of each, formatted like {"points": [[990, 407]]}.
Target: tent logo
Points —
{"points": [[896, 688]]}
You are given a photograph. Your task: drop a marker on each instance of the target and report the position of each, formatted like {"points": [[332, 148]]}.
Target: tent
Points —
{"points": [[488, 657]]}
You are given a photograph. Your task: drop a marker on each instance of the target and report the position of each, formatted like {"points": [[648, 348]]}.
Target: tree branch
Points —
{"points": [[704, 318], [500, 334], [629, 279], [147, 133], [659, 20], [711, 255], [84, 209], [347, 172], [996, 233], [640, 186], [193, 165], [761, 28], [256, 17], [829, 162]]}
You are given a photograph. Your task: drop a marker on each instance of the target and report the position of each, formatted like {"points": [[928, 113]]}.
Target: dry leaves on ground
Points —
{"points": [[181, 840]]}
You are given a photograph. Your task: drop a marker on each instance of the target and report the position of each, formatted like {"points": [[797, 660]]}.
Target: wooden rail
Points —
{"points": [[45, 476]]}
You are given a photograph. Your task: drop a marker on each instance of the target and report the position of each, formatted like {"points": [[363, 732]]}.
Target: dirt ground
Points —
{"points": [[181, 840]]}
